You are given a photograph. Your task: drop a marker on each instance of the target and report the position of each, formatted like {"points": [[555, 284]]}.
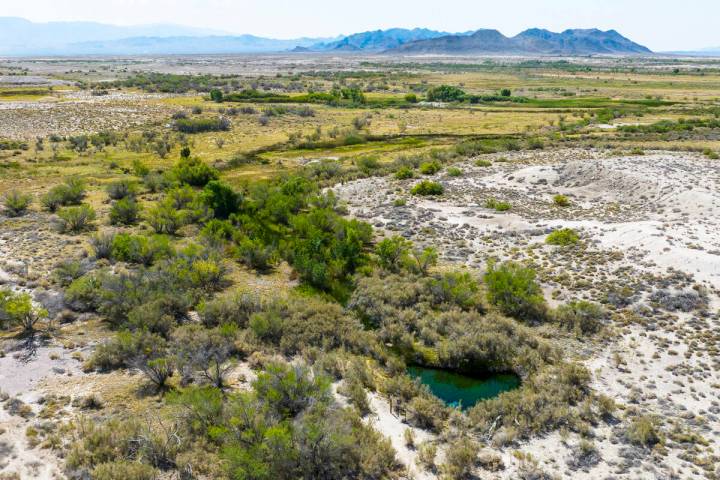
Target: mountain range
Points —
{"points": [[22, 37], [532, 41]]}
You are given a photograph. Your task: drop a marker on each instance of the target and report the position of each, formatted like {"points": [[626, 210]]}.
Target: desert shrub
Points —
{"points": [[513, 289], [199, 125], [497, 205], [393, 253], [194, 172], [325, 249], [404, 173], [455, 288], [66, 271], [563, 237], [426, 412], [644, 431], [367, 165], [561, 200], [684, 301], [125, 211], [17, 309], [221, 198], [124, 349], [356, 394], [158, 371], [427, 188], [140, 249], [256, 255], [582, 317], [120, 189], [101, 244], [546, 401], [430, 168], [460, 459], [155, 182], [427, 451], [75, 219], [454, 172], [124, 470], [235, 310], [445, 93], [16, 203], [165, 218], [411, 98], [425, 259], [535, 144], [71, 192], [483, 163]]}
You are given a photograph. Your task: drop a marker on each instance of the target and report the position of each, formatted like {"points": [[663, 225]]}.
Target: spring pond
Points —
{"points": [[456, 389]]}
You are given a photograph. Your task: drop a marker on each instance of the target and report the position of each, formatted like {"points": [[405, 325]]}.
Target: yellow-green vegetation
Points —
{"points": [[563, 237]]}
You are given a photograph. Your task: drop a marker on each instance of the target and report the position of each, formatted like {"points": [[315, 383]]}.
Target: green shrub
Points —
{"points": [[17, 309], [427, 188], [124, 348], [461, 459], [368, 165], [124, 470], [497, 205], [140, 249], [430, 168], [411, 98], [644, 431], [76, 219], [16, 203], [512, 288], [165, 219], [454, 172], [445, 93], [71, 192], [561, 200], [221, 198], [393, 253], [404, 173], [121, 189], [483, 163], [582, 317], [256, 255], [199, 125], [194, 172], [125, 211], [563, 237]]}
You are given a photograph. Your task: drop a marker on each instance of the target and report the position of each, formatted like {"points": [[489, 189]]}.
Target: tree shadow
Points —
{"points": [[26, 344]]}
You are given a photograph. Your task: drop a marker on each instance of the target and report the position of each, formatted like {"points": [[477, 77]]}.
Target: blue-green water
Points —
{"points": [[461, 390]]}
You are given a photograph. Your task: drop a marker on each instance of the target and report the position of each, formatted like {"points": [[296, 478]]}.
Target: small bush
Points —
{"points": [[124, 470], [483, 163], [430, 168], [644, 431], [404, 173], [165, 219], [125, 211], [199, 125], [561, 200], [563, 237], [427, 188], [454, 172], [512, 287], [460, 459], [497, 205], [76, 219], [71, 192], [121, 189], [582, 317], [16, 203], [194, 172], [254, 254]]}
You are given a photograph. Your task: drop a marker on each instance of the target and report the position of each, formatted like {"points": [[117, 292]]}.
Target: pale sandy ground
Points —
{"points": [[660, 211]]}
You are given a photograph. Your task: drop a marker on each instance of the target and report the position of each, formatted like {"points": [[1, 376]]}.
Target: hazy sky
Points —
{"points": [[659, 24]]}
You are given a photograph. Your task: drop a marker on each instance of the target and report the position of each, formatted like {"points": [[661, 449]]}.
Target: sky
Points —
{"points": [[661, 25]]}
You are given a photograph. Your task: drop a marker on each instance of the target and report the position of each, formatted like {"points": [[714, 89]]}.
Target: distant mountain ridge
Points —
{"points": [[379, 40], [22, 37], [532, 41]]}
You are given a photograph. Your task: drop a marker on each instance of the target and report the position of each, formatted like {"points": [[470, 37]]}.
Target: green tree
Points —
{"points": [[512, 288]]}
